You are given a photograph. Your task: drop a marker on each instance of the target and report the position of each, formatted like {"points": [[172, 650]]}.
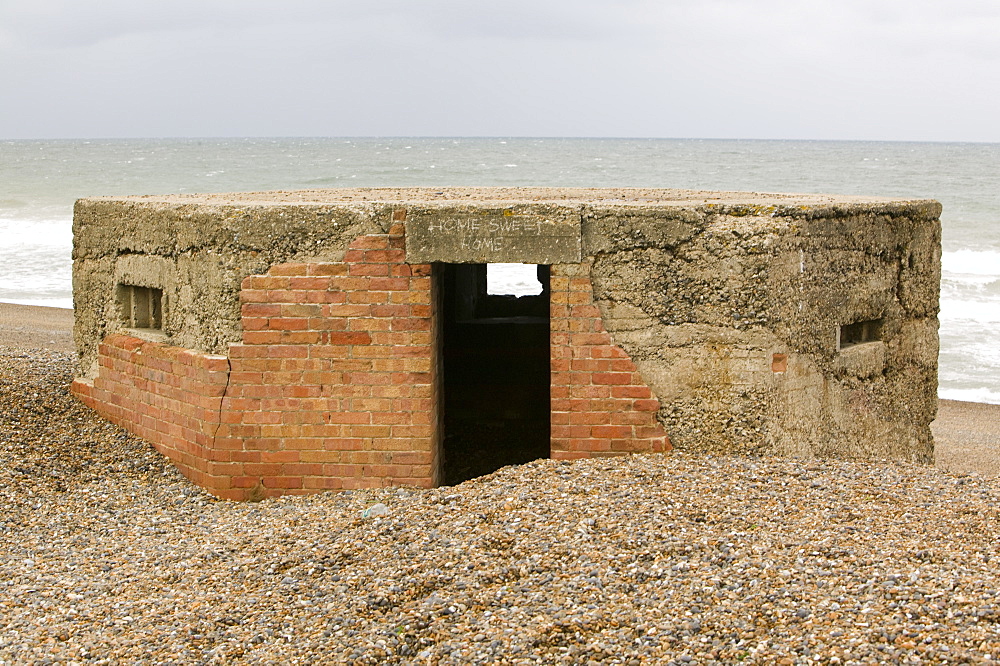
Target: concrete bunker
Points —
{"points": [[330, 339]]}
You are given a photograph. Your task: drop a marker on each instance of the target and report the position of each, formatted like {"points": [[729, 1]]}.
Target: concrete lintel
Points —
{"points": [[533, 235]]}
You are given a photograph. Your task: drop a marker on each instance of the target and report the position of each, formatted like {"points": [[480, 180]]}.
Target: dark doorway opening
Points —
{"points": [[494, 351]]}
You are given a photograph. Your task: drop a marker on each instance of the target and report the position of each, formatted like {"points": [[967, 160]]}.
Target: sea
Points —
{"points": [[40, 180]]}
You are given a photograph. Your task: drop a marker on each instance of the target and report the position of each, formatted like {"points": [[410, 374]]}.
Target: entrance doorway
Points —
{"points": [[494, 390]]}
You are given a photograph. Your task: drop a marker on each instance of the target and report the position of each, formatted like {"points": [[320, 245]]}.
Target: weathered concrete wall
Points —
{"points": [[731, 312], [198, 251], [727, 304]]}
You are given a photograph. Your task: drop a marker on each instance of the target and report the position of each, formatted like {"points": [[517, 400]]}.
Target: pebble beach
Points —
{"points": [[110, 556]]}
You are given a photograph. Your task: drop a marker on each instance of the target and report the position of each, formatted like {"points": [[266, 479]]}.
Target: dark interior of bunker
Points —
{"points": [[494, 351]]}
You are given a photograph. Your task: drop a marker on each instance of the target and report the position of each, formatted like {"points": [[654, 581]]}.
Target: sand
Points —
{"points": [[32, 327], [967, 437], [966, 434]]}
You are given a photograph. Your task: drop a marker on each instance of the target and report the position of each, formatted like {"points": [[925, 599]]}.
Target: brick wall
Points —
{"points": [[600, 404], [333, 385], [330, 388], [169, 396]]}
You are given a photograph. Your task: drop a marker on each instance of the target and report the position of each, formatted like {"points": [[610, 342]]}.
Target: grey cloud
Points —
{"points": [[69, 23], [767, 68]]}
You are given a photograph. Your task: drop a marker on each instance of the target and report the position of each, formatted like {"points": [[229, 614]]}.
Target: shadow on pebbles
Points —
{"points": [[111, 556]]}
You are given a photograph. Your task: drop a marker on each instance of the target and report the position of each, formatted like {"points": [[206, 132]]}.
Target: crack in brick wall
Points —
{"points": [[169, 396]]}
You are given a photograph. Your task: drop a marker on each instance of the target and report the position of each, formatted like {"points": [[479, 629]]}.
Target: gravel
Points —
{"points": [[110, 556]]}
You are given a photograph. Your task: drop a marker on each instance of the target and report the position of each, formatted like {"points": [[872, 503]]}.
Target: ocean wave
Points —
{"points": [[24, 234], [978, 290], [967, 263], [985, 311], [980, 394]]}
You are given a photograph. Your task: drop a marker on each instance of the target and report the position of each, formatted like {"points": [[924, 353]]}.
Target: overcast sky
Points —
{"points": [[797, 69]]}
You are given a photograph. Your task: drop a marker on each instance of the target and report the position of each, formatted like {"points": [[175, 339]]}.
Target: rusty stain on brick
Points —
{"points": [[779, 363]]}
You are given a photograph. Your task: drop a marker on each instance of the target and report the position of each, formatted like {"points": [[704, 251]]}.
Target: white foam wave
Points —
{"points": [[970, 395], [970, 286], [983, 311], [18, 233], [984, 263]]}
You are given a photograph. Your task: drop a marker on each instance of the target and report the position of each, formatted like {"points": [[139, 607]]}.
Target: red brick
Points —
{"points": [[585, 311], [647, 432], [309, 283], [391, 310], [559, 418], [630, 418], [411, 458], [260, 309], [282, 482], [387, 471], [568, 455], [328, 351], [370, 242], [410, 296], [389, 284], [381, 270], [411, 324], [368, 296], [639, 392], [270, 282], [347, 338], [248, 295], [421, 338], [369, 324], [411, 378], [424, 311], [349, 417], [327, 269], [288, 351], [322, 483], [611, 431], [369, 431], [559, 431], [299, 310], [328, 323], [261, 417], [612, 378], [279, 456], [388, 255], [589, 418], [261, 337], [288, 324]]}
